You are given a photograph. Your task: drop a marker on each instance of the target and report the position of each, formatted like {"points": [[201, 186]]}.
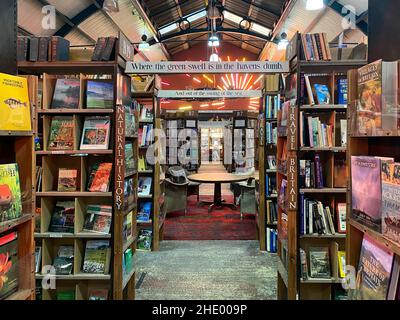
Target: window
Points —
{"points": [[259, 29], [169, 28], [232, 17]]}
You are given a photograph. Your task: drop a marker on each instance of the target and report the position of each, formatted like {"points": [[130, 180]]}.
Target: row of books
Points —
{"points": [[375, 194], [311, 174], [98, 94], [322, 93], [271, 133], [315, 46], [96, 259], [272, 105], [42, 49], [146, 135], [272, 211], [274, 82], [270, 185], [104, 49], [95, 133], [271, 240], [315, 133], [316, 218], [322, 262]]}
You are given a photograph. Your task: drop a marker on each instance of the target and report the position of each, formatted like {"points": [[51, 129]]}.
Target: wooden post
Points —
{"points": [[8, 36]]}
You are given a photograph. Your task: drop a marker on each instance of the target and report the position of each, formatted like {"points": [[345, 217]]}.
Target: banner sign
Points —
{"points": [[209, 93], [177, 67]]}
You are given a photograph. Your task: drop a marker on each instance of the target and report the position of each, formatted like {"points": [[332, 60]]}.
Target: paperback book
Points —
{"points": [[98, 219], [66, 94], [9, 274], [63, 217], [100, 94], [99, 177], [144, 212], [64, 261], [97, 257], [61, 133], [320, 267], [10, 192], [67, 180], [96, 133], [144, 186], [322, 93], [145, 238]]}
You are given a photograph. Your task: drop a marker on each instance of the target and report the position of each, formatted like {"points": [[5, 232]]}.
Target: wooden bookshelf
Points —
{"points": [[119, 281], [290, 283], [381, 144]]}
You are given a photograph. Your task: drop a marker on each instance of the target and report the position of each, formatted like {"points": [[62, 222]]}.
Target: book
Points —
{"points": [[64, 261], [22, 48], [99, 177], [100, 94], [98, 294], [144, 186], [38, 259], [99, 48], [319, 263], [303, 264], [391, 201], [98, 219], [127, 227], [366, 191], [9, 274], [108, 52], [61, 133], [10, 192], [374, 268], [59, 48], [322, 93], [144, 212], [343, 132], [342, 91], [145, 238], [130, 166], [66, 295], [310, 94], [15, 108], [66, 94], [341, 217], [342, 263], [394, 280], [63, 217], [97, 257], [129, 193], [96, 133], [377, 106], [130, 122], [43, 54], [34, 49], [67, 179]]}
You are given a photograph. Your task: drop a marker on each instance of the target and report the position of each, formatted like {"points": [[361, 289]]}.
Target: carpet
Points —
{"points": [[221, 224]]}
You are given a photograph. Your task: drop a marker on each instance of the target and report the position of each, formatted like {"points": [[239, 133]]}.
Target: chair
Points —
{"points": [[176, 190], [247, 197]]}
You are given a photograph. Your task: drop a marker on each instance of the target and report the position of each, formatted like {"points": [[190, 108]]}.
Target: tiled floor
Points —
{"points": [[223, 270]]}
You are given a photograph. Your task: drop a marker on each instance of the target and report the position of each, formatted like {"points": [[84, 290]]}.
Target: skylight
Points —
{"points": [[196, 16], [168, 28], [260, 29], [232, 17]]}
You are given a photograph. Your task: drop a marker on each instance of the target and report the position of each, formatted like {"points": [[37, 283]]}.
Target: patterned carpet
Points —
{"points": [[221, 270], [198, 224]]}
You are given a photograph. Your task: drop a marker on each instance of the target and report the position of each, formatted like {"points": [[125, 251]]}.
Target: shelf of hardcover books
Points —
{"points": [[17, 200], [150, 218], [84, 154], [373, 244]]}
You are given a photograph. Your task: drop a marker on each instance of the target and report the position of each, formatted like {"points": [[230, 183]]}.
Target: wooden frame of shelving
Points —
{"points": [[120, 286], [290, 286], [382, 144]]}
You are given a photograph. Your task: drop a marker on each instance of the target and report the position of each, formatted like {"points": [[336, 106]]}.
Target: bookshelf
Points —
{"points": [[298, 195], [152, 169], [16, 147], [120, 279], [381, 143]]}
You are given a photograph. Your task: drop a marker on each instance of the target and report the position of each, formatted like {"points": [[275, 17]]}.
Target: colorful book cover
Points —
{"points": [[391, 201], [98, 219], [99, 180], [100, 94], [15, 108], [98, 294], [96, 133], [10, 192], [374, 271], [8, 264], [129, 159], [366, 191], [127, 226], [61, 133], [64, 261], [322, 93], [67, 179], [129, 193], [319, 263], [144, 241], [144, 212], [97, 255], [63, 217], [369, 102], [66, 295], [130, 122], [144, 186], [342, 91], [66, 94]]}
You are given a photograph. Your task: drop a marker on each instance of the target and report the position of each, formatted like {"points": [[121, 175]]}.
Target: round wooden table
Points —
{"points": [[217, 179]]}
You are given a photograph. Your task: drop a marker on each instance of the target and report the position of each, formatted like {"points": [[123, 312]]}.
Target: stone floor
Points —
{"points": [[223, 270]]}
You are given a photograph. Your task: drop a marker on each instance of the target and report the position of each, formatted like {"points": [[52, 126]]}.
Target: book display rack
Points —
{"points": [[151, 213], [373, 243], [86, 150], [17, 221], [311, 179]]}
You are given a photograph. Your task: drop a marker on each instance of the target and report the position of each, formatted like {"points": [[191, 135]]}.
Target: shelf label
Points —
{"points": [[292, 127], [194, 67], [119, 157], [292, 182]]}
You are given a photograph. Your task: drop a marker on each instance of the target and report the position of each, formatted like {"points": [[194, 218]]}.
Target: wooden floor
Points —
{"points": [[208, 188]]}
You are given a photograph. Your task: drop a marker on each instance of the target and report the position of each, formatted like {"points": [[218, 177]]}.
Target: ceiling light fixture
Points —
{"points": [[314, 4], [213, 41], [283, 43], [144, 45], [214, 57]]}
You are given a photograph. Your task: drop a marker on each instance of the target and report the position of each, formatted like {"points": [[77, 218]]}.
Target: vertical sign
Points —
{"points": [[126, 49], [292, 127], [292, 183], [119, 157]]}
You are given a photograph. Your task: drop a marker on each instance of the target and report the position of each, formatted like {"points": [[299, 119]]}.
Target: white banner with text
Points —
{"points": [[209, 94]]}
